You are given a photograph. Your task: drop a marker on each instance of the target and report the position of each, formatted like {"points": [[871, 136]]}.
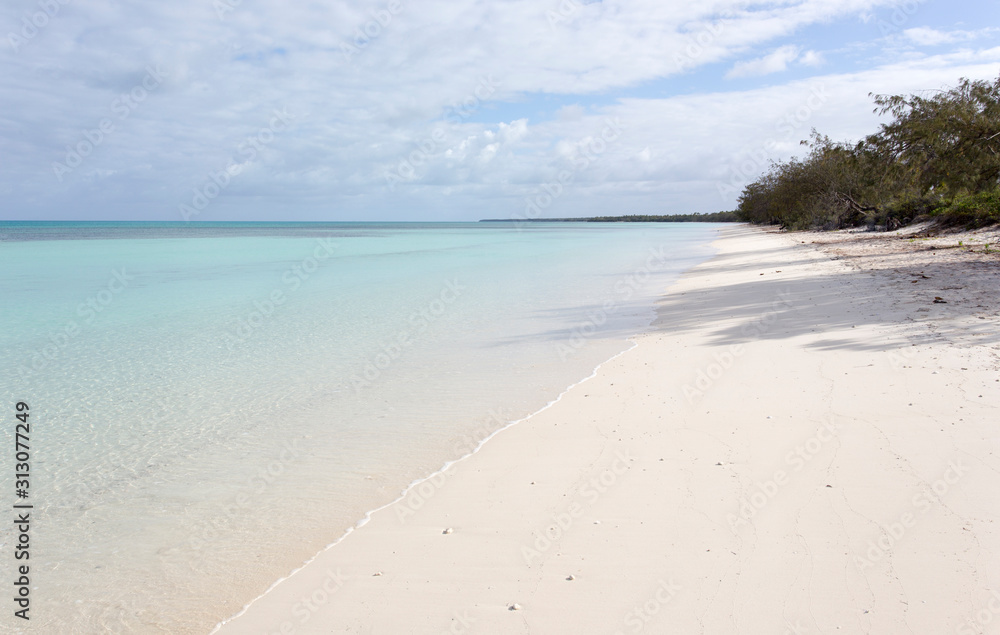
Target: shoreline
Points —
{"points": [[624, 343], [411, 487], [232, 472], [618, 524]]}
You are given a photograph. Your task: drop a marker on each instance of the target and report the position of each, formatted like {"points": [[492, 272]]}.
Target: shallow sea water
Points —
{"points": [[212, 404]]}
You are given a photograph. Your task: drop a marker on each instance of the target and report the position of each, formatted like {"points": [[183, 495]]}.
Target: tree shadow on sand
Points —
{"points": [[776, 307]]}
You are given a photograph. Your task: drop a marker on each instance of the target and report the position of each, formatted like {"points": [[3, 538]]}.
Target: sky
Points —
{"points": [[450, 110]]}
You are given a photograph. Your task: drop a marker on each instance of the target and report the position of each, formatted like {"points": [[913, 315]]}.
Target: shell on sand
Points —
{"points": [[447, 531]]}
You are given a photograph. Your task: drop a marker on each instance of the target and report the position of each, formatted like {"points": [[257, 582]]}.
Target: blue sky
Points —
{"points": [[213, 110]]}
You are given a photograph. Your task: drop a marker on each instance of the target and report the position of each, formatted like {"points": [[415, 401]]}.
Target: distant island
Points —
{"points": [[715, 217]]}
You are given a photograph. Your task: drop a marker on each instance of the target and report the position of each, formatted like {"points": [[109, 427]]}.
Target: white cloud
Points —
{"points": [[812, 58], [457, 87], [926, 36], [730, 138], [775, 62]]}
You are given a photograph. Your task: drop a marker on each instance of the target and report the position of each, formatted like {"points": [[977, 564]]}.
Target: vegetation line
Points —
{"points": [[715, 217], [938, 158]]}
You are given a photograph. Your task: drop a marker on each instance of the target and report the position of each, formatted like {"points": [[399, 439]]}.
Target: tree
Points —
{"points": [[938, 153], [949, 141]]}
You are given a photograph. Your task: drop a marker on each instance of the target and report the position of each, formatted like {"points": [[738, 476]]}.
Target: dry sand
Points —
{"points": [[805, 443]]}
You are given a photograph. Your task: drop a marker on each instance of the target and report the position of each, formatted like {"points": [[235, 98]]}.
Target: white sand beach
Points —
{"points": [[804, 442]]}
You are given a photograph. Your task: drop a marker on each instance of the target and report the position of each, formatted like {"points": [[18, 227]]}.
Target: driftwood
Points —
{"points": [[854, 205]]}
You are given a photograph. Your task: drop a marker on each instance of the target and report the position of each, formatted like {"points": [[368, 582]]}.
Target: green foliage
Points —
{"points": [[903, 212], [950, 140], [937, 151], [971, 211], [835, 186]]}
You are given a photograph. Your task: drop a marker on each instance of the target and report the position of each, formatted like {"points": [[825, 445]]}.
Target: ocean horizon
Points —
{"points": [[215, 403]]}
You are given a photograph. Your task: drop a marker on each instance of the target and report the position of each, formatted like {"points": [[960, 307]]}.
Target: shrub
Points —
{"points": [[972, 211]]}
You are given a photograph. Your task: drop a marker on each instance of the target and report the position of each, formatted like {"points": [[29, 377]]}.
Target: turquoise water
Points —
{"points": [[212, 404]]}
